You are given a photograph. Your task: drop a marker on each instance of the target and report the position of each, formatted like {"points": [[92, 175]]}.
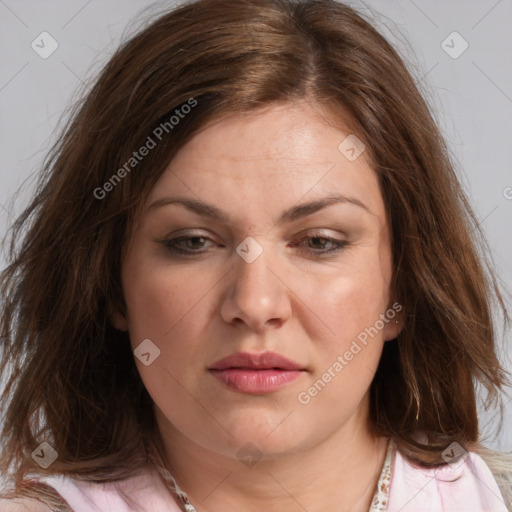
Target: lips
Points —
{"points": [[262, 361], [256, 374]]}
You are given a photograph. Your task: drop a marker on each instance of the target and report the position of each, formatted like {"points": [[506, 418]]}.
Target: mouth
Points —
{"points": [[262, 361], [257, 374]]}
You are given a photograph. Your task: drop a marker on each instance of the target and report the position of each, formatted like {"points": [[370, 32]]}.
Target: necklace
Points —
{"points": [[379, 501], [171, 484]]}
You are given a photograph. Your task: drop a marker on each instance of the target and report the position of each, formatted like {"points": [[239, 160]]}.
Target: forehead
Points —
{"points": [[292, 150]]}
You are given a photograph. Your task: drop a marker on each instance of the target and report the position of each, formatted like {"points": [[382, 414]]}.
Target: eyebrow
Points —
{"points": [[296, 212]]}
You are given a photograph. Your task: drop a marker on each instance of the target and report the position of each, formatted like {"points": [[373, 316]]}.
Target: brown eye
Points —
{"points": [[186, 245], [323, 245]]}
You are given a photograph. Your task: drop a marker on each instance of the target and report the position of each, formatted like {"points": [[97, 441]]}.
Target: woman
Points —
{"points": [[250, 281]]}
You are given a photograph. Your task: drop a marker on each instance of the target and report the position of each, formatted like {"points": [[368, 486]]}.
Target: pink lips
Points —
{"points": [[256, 373]]}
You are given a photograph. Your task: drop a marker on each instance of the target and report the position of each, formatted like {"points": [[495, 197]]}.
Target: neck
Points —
{"points": [[341, 474]]}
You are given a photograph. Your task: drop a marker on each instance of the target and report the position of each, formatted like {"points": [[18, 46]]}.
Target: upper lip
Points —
{"points": [[261, 361]]}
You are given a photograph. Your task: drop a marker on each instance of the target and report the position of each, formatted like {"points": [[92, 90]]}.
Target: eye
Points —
{"points": [[323, 245], [194, 244], [188, 244]]}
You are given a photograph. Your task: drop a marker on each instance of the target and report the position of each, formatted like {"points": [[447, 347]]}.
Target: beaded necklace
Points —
{"points": [[379, 501]]}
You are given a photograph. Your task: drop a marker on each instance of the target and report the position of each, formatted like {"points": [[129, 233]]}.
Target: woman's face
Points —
{"points": [[264, 268]]}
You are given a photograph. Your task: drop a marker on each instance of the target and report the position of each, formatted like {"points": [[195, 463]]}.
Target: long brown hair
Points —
{"points": [[72, 380]]}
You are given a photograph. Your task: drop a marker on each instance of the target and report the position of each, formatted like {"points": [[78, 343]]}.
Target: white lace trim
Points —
{"points": [[379, 501]]}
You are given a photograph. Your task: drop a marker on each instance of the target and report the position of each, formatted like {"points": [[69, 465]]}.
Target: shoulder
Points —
{"points": [[23, 505], [500, 465], [142, 492], [32, 495], [498, 462], [465, 484]]}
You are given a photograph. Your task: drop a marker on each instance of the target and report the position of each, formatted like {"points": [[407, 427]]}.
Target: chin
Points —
{"points": [[265, 438]]}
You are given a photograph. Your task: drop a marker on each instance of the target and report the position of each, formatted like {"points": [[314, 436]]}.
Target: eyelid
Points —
{"points": [[311, 232], [171, 244]]}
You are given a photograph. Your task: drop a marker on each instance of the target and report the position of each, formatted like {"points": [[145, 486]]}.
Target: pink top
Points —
{"points": [[148, 492], [466, 486]]}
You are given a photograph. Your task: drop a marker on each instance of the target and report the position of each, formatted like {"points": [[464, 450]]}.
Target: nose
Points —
{"points": [[256, 294]]}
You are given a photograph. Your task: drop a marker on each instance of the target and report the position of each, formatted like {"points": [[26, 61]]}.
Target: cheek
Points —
{"points": [[161, 300], [168, 306], [352, 299], [164, 305], [351, 305]]}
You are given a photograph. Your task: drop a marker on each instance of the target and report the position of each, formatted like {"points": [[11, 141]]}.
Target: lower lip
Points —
{"points": [[256, 381]]}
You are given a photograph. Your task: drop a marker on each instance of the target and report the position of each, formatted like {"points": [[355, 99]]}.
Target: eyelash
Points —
{"points": [[171, 247]]}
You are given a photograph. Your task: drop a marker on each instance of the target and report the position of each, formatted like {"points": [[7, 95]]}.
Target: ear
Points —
{"points": [[117, 319], [395, 316]]}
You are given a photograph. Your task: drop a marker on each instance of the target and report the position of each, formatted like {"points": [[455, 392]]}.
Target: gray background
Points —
{"points": [[471, 95]]}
